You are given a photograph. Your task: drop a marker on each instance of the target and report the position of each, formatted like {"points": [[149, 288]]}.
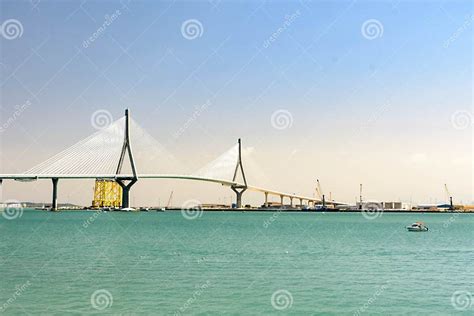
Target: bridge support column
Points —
{"points": [[291, 201], [126, 191], [266, 199], [238, 201], [301, 202], [54, 202], [1, 190], [281, 201]]}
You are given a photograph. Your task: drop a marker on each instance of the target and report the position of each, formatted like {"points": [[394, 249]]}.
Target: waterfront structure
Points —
{"points": [[107, 193], [103, 155]]}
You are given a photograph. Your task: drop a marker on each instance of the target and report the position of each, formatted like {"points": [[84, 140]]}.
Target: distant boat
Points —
{"points": [[128, 209], [417, 227]]}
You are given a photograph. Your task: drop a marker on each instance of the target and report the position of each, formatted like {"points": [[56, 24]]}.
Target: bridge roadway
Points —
{"points": [[33, 177]]}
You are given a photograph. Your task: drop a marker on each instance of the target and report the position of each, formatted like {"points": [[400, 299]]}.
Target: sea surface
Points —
{"points": [[235, 263]]}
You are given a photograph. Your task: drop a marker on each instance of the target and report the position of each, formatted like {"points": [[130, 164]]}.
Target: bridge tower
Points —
{"points": [[239, 189], [126, 182]]}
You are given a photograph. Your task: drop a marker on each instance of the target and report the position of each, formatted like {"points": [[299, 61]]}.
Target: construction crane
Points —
{"points": [[450, 197], [319, 190], [170, 200]]}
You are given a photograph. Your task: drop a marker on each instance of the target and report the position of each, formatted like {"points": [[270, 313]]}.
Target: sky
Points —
{"points": [[347, 92]]}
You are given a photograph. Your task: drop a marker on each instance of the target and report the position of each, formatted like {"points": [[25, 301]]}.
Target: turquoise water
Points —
{"points": [[233, 263]]}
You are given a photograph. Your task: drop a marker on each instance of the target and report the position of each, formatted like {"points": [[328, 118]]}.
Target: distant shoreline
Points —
{"points": [[266, 210]]}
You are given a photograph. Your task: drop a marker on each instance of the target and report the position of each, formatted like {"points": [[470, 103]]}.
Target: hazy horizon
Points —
{"points": [[379, 93]]}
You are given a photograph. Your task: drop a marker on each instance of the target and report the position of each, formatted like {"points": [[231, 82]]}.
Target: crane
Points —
{"points": [[170, 200], [319, 190], [450, 197]]}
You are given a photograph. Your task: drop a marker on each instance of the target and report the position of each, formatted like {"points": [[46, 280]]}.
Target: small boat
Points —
{"points": [[417, 227], [128, 209]]}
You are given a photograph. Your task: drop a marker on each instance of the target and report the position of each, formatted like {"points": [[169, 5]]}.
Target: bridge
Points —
{"points": [[103, 156]]}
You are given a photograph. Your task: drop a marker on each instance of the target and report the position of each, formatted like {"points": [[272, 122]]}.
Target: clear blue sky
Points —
{"points": [[399, 90]]}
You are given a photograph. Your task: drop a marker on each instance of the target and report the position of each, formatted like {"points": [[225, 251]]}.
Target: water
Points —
{"points": [[163, 263]]}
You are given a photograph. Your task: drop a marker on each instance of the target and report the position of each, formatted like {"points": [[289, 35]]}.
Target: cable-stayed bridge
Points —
{"points": [[125, 152]]}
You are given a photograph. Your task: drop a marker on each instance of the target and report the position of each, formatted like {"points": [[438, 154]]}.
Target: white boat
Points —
{"points": [[417, 227], [128, 209]]}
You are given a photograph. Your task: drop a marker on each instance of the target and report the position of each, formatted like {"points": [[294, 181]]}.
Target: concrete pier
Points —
{"points": [[126, 191], [54, 202]]}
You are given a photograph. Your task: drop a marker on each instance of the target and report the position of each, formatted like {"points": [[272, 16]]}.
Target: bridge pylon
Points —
{"points": [[239, 189], [126, 182]]}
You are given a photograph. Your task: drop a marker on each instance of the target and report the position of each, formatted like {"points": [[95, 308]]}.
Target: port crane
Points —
{"points": [[450, 197], [170, 200], [320, 193]]}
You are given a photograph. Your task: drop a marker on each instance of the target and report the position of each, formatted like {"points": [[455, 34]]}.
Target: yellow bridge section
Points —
{"points": [[107, 193]]}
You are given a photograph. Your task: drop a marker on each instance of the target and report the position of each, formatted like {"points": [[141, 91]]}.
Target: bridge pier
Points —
{"points": [[126, 191], [1, 190], [238, 201], [54, 202], [291, 201], [266, 199], [301, 202], [281, 201]]}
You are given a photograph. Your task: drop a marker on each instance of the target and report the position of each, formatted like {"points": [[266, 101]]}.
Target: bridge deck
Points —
{"points": [[32, 177]]}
